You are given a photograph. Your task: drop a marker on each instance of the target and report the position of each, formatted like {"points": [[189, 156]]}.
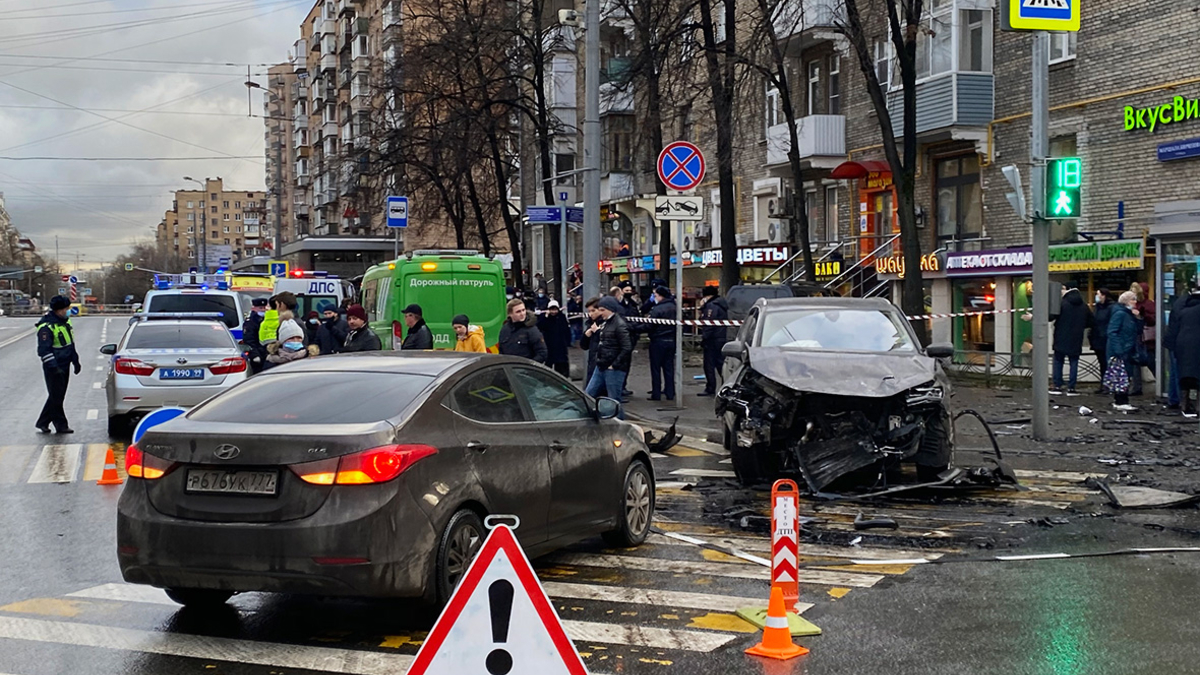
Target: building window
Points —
{"points": [[214, 209], [191, 205], [563, 166], [224, 216], [831, 213], [618, 143], [237, 205], [959, 202], [213, 196], [814, 86], [226, 240], [772, 111], [975, 43], [191, 216], [225, 205], [883, 63], [1062, 46], [238, 229], [835, 72], [226, 229], [810, 207], [201, 204], [214, 235]]}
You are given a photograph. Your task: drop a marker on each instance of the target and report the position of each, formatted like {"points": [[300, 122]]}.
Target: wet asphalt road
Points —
{"points": [[664, 608]]}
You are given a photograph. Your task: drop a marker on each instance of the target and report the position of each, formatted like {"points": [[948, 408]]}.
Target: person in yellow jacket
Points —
{"points": [[470, 338]]}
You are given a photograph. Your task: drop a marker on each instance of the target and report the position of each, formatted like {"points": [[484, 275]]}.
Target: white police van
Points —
{"points": [[314, 291], [194, 292]]}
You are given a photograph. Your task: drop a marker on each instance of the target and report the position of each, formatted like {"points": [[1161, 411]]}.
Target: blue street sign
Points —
{"points": [[277, 268], [543, 214], [1185, 149], [1055, 15], [397, 211], [574, 214], [681, 166], [562, 195], [155, 418], [74, 280]]}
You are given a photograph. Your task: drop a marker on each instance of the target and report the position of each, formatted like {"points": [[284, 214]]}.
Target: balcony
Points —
{"points": [[359, 88], [614, 99], [300, 48], [302, 210], [301, 91], [391, 15], [302, 180], [348, 134], [360, 26], [797, 17], [359, 48], [615, 186], [329, 28], [347, 7], [329, 63], [820, 137], [344, 77], [955, 99]]}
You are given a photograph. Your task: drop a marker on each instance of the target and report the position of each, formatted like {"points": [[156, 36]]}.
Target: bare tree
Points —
{"points": [[721, 61], [904, 26]]}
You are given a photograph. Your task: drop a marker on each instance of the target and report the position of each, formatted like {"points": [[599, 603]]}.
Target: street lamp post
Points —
{"points": [[202, 257]]}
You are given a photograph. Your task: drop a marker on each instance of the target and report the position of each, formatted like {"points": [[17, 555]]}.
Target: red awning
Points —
{"points": [[860, 169]]}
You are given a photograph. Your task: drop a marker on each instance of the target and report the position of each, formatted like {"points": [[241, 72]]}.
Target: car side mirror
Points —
{"points": [[607, 408], [940, 350], [108, 349], [734, 349]]}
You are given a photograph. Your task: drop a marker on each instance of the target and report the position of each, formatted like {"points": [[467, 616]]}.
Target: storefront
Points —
{"points": [[1091, 265], [933, 275], [700, 269], [990, 282], [1176, 230], [876, 204]]}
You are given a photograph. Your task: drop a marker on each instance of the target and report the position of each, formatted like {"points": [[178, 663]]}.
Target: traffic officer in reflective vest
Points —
{"points": [[56, 349]]}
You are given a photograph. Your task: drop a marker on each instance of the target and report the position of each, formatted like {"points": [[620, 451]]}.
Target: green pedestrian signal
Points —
{"points": [[1064, 178]]}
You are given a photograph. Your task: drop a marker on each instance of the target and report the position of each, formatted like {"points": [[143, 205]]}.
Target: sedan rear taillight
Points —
{"points": [[129, 366], [377, 465], [397, 335], [229, 366], [140, 465]]}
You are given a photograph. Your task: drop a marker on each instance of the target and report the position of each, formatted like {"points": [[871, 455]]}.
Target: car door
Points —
{"points": [[745, 335], [505, 449], [583, 481]]}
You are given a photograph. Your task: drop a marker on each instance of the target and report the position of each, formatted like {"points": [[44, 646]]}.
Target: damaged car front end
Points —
{"points": [[817, 395]]}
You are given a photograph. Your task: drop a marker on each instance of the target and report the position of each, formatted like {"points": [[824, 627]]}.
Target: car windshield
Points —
{"points": [[175, 336], [198, 302], [315, 398], [837, 330]]}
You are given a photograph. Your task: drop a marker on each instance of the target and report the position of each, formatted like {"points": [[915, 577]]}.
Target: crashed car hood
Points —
{"points": [[842, 373]]}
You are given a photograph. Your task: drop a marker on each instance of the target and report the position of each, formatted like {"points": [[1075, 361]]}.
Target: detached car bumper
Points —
{"points": [[378, 544]]}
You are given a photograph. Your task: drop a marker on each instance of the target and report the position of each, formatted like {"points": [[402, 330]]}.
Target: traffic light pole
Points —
{"points": [[1039, 148]]}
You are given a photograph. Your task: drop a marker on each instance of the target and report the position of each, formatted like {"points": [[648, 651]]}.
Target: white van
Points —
{"points": [[314, 291]]}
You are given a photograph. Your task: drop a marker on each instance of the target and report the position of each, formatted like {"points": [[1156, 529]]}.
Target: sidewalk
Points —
{"points": [[696, 418]]}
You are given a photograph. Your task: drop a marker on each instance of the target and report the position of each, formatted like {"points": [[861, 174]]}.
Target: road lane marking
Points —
{"points": [[270, 654], [704, 473], [57, 464], [93, 467], [13, 461], [17, 337], [647, 596], [97, 385], [93, 414], [733, 570], [644, 636], [806, 550], [98, 368]]}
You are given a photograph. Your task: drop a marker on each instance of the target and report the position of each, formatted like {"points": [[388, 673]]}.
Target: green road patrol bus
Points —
{"points": [[445, 284]]}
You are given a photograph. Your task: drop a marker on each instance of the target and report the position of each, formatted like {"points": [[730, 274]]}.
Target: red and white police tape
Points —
{"points": [[733, 323]]}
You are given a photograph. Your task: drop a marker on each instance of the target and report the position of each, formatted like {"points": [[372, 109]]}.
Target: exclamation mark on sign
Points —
{"points": [[500, 598]]}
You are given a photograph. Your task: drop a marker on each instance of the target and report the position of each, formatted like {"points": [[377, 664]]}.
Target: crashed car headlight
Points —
{"points": [[930, 393]]}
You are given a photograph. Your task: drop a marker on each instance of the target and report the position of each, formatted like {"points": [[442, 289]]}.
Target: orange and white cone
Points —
{"points": [[110, 476], [777, 637]]}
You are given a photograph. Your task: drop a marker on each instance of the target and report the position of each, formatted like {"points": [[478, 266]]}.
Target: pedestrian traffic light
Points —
{"points": [[1064, 178]]}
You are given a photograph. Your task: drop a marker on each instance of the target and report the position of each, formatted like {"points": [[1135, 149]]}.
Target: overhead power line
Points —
{"points": [[223, 64], [10, 12], [147, 111], [124, 159], [112, 69]]}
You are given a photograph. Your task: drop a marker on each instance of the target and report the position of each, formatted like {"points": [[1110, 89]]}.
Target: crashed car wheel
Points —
{"points": [[748, 463], [637, 508], [936, 447]]}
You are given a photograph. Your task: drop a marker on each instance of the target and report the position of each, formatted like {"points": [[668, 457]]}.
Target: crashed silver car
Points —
{"points": [[833, 390]]}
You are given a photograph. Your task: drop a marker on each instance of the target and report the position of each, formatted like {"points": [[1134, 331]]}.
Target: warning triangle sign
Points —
{"points": [[498, 621]]}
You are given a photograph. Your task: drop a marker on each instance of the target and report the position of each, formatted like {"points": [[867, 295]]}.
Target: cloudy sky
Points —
{"points": [[149, 66]]}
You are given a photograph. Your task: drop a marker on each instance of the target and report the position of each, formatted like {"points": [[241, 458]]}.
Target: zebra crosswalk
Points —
{"points": [[57, 463], [669, 602]]}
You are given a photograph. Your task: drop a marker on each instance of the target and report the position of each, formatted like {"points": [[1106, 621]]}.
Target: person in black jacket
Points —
{"points": [[1183, 339], [557, 334], [331, 335], [1073, 319], [56, 349], [258, 352], [713, 338], [518, 337], [1098, 337], [419, 336], [614, 350], [594, 324], [360, 338], [662, 346]]}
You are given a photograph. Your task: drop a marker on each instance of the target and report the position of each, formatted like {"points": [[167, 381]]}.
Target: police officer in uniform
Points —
{"points": [[56, 349]]}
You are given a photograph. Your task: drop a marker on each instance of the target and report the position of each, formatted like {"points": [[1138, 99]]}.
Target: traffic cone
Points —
{"points": [[110, 476], [777, 638]]}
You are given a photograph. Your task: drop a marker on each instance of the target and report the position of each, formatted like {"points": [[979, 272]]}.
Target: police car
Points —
{"points": [[315, 291], [169, 359], [193, 292]]}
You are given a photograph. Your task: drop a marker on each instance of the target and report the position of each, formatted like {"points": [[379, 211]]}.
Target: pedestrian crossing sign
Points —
{"points": [[1054, 15]]}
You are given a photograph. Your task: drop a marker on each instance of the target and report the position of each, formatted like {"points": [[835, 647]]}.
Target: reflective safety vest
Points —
{"points": [[61, 333], [270, 326]]}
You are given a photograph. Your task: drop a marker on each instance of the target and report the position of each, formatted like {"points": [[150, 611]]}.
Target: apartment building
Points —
{"points": [[214, 224], [282, 91]]}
